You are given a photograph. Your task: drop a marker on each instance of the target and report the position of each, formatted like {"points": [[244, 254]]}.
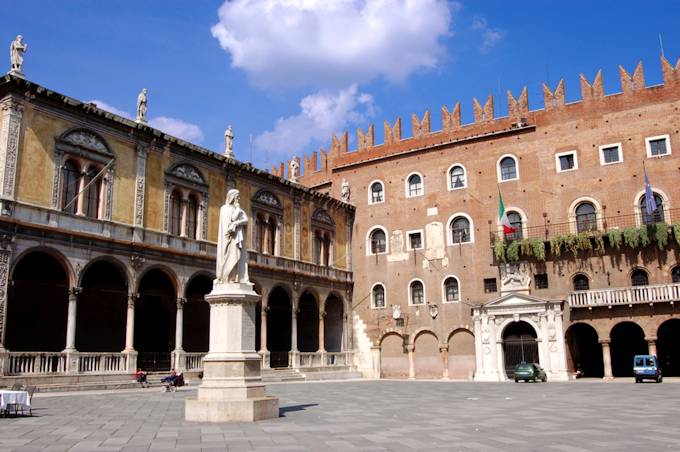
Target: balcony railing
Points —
{"points": [[624, 296], [603, 224], [21, 363], [284, 263], [194, 361], [102, 362]]}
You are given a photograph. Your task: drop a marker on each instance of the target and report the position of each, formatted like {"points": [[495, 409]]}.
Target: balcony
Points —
{"points": [[298, 267], [624, 296]]}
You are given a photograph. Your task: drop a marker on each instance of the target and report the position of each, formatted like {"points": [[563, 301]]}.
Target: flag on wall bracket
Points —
{"points": [[650, 202], [503, 217]]}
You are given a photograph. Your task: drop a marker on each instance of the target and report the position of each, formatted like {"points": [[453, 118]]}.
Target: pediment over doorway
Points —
{"points": [[514, 299]]}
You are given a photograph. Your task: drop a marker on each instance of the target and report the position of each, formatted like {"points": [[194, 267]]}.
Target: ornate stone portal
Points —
{"points": [[232, 388]]}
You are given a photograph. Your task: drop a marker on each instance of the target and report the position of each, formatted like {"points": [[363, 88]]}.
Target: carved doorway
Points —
{"points": [[519, 345]]}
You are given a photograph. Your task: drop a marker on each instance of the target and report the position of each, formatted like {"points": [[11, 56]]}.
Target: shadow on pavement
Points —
{"points": [[287, 409]]}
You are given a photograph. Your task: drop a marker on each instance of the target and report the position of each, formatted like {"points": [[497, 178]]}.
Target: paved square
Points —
{"points": [[368, 415]]}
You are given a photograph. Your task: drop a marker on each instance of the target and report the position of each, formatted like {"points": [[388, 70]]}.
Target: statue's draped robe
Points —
{"points": [[231, 254]]}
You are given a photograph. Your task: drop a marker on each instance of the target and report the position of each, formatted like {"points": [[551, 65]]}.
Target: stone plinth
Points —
{"points": [[232, 388]]}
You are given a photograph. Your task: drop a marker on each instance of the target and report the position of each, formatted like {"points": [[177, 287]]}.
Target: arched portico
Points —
{"points": [[516, 317]]}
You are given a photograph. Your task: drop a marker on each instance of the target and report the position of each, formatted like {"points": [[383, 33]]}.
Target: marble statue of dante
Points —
{"points": [[16, 54], [141, 106], [229, 142], [345, 192], [232, 253], [293, 170]]}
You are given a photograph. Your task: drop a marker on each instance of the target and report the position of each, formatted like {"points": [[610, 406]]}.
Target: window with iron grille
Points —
{"points": [[451, 290], [415, 185], [379, 296], [460, 230], [581, 282], [541, 280], [515, 220], [586, 218], [639, 277], [417, 293], [508, 169], [675, 274], [378, 241], [490, 285], [656, 216], [377, 193], [457, 177]]}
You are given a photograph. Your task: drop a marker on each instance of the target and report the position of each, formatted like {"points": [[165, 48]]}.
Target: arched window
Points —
{"points": [[657, 216], [192, 215], [378, 295], [451, 290], [415, 185], [460, 230], [272, 227], [457, 177], [675, 274], [639, 277], [586, 218], [176, 213], [378, 241], [377, 194], [417, 292], [92, 194], [508, 168], [581, 282], [70, 187], [516, 222]]}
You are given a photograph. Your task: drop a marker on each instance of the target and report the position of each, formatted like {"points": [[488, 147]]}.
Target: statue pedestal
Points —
{"points": [[232, 388]]}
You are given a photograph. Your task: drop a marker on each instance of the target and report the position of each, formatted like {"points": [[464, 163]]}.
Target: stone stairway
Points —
{"points": [[282, 374]]}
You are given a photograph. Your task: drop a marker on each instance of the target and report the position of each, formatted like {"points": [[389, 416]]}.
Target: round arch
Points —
{"points": [[667, 340], [428, 361], [393, 356], [120, 267], [279, 316], [196, 316], [334, 322], [461, 351], [460, 289], [498, 168], [370, 192], [520, 344], [584, 352], [449, 236], [37, 295], [167, 271], [102, 306], [448, 177], [308, 322], [523, 216], [666, 205], [627, 340], [369, 248], [57, 255], [599, 213], [406, 184], [409, 294]]}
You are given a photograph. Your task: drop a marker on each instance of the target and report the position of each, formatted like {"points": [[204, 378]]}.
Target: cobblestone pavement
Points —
{"points": [[367, 415]]}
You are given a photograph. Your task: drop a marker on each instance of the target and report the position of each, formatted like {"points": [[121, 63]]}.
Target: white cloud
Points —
{"points": [[332, 43], [172, 126], [104, 106], [321, 114], [490, 36], [178, 128]]}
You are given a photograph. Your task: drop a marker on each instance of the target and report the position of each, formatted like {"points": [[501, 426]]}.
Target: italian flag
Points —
{"points": [[503, 217]]}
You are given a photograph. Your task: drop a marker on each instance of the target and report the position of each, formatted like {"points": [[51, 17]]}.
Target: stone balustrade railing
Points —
{"points": [[22, 363], [337, 358], [624, 295], [284, 263], [102, 362], [194, 361]]}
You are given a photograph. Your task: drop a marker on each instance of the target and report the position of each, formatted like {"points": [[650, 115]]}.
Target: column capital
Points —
{"points": [[131, 297], [604, 341], [75, 291], [651, 339], [181, 301], [322, 315], [410, 348]]}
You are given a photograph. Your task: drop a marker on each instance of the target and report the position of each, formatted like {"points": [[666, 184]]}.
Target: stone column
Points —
{"points": [[71, 325], [263, 326], [130, 333], [140, 184], [607, 359], [293, 337], [72, 358], [11, 113], [322, 344], [183, 216], [444, 350], [348, 242], [651, 344], [297, 234], [80, 202], [178, 353], [5, 253], [232, 388], [411, 364], [479, 362]]}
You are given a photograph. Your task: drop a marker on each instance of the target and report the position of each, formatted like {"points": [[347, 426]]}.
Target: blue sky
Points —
{"points": [[291, 72]]}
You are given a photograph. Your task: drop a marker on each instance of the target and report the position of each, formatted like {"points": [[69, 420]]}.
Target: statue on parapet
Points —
{"points": [[232, 252], [229, 142], [345, 192], [293, 168], [142, 100], [16, 55]]}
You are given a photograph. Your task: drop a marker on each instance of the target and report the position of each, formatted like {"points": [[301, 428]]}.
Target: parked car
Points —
{"points": [[529, 371], [646, 367]]}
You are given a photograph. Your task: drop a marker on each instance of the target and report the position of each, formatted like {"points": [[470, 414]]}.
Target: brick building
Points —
{"points": [[589, 278]]}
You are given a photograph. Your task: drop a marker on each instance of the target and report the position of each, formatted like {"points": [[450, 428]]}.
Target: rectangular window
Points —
{"points": [[490, 285], [610, 154], [658, 146], [566, 161], [415, 240], [541, 280]]}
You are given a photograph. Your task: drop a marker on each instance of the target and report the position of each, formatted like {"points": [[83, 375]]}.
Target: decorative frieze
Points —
{"points": [[10, 130], [142, 151], [5, 253]]}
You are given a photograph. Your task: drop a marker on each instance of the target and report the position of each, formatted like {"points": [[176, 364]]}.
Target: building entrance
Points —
{"points": [[519, 345]]}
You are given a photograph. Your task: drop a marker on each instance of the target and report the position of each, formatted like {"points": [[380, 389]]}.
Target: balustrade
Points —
{"points": [[625, 295], [194, 361], [26, 363], [102, 362]]}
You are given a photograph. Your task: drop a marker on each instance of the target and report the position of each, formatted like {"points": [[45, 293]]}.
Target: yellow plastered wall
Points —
{"points": [[340, 259], [154, 191], [217, 192], [288, 229], [123, 209], [35, 176], [305, 231]]}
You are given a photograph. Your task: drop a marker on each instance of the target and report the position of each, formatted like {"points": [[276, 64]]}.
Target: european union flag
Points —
{"points": [[650, 202]]}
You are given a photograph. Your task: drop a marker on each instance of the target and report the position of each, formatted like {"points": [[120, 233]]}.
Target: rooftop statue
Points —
{"points": [[345, 192], [141, 106], [293, 167], [16, 55], [229, 142], [232, 252]]}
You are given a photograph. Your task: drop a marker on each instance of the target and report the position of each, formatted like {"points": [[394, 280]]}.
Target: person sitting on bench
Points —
{"points": [[140, 377]]}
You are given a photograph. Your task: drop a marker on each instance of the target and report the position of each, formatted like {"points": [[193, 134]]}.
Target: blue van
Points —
{"points": [[646, 367]]}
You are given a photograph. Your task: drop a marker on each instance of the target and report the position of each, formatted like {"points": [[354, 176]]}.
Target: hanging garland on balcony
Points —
{"points": [[661, 235], [615, 238], [676, 232]]}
